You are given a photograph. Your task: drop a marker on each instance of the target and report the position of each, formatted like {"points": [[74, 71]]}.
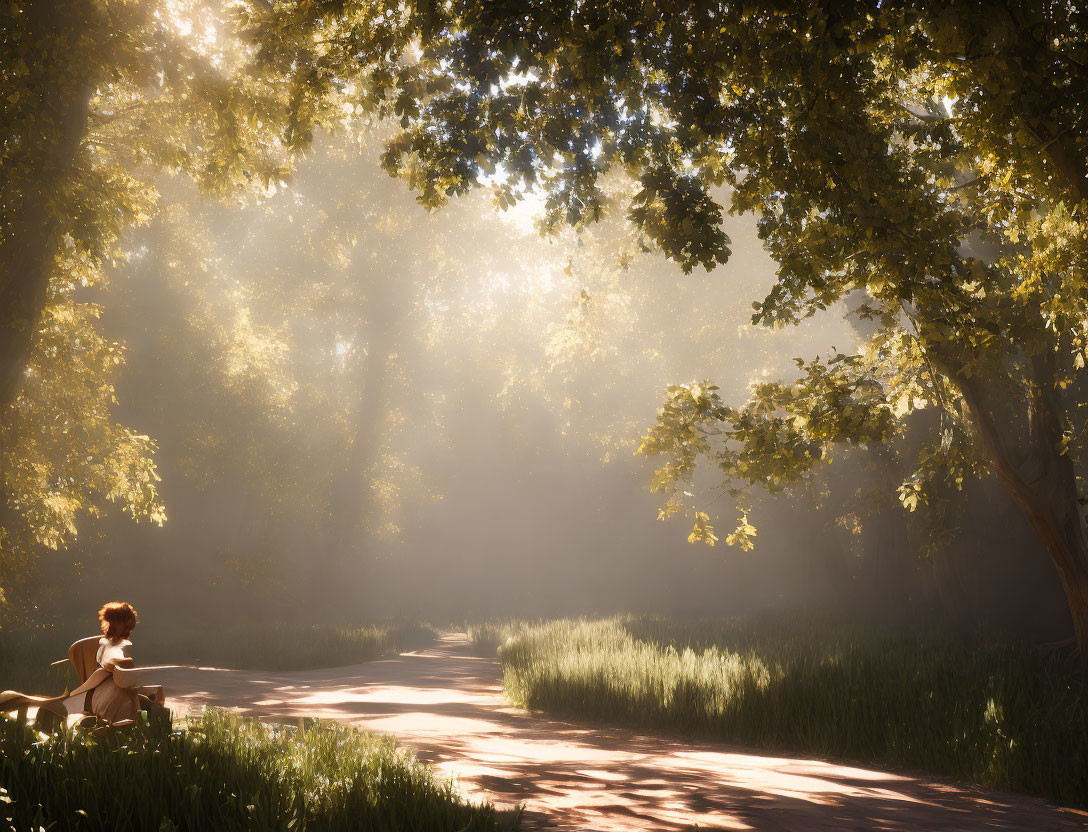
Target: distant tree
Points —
{"points": [[932, 154]]}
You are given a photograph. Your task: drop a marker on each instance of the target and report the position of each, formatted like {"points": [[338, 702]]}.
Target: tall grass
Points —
{"points": [[26, 652], [487, 636], [224, 773], [998, 715]]}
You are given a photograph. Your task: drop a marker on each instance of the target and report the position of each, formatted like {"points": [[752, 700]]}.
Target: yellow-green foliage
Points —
{"points": [[224, 773], [66, 456], [998, 715]]}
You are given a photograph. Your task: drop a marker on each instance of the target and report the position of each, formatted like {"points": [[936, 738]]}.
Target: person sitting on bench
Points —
{"points": [[108, 700]]}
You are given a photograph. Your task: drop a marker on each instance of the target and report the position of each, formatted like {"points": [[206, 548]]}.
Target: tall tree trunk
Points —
{"points": [[1023, 450], [351, 500], [50, 136], [352, 504]]}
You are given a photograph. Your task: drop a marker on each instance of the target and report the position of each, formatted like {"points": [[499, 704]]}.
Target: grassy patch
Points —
{"points": [[224, 773], [998, 715], [281, 646], [486, 637], [25, 653]]}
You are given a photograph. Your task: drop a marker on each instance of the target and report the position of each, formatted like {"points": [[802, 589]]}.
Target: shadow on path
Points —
{"points": [[448, 706]]}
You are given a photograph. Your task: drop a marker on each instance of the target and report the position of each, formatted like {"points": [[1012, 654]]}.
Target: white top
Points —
{"points": [[111, 649]]}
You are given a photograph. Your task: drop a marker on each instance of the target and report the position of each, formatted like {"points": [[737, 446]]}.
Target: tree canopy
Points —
{"points": [[929, 155]]}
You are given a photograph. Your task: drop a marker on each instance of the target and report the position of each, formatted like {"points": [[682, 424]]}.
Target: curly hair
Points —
{"points": [[118, 619]]}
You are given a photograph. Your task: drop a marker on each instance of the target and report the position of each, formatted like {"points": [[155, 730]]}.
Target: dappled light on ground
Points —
{"points": [[448, 706]]}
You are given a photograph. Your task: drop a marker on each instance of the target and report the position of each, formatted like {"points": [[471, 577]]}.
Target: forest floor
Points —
{"points": [[448, 706]]}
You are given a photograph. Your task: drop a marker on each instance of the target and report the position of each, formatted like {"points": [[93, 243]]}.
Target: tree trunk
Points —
{"points": [[351, 501], [50, 135], [1023, 450]]}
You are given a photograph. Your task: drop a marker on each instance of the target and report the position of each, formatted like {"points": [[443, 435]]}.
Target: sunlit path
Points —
{"points": [[449, 707]]}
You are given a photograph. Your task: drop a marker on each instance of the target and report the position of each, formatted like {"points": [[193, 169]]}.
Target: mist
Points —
{"points": [[383, 411]]}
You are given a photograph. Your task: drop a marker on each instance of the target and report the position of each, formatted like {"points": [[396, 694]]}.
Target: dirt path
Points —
{"points": [[448, 706]]}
